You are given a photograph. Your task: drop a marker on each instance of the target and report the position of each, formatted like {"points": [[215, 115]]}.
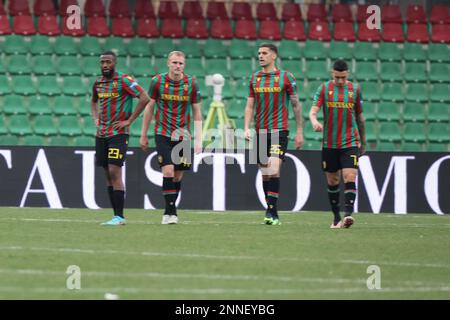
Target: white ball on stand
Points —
{"points": [[218, 79]]}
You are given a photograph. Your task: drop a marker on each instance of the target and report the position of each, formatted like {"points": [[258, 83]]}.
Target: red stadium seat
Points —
{"points": [[19, 7], [77, 32], [291, 11], [316, 12], [319, 30], [196, 28], [24, 25], [97, 27], [172, 28], [440, 13], [391, 14], [415, 14], [440, 33], [64, 5], [192, 10], [241, 10], [2, 9], [245, 29], [5, 28], [270, 29], [44, 7], [122, 27], [393, 32], [341, 13], [361, 13], [221, 29], [147, 28], [144, 9], [48, 25], [168, 10], [343, 31], [94, 8], [119, 9], [216, 10], [266, 11], [294, 30], [368, 35], [418, 33]]}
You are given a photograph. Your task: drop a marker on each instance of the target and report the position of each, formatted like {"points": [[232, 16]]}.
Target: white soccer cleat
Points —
{"points": [[165, 219], [348, 221], [173, 219]]}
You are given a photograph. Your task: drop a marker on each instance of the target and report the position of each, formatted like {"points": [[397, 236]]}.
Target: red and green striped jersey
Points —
{"points": [[271, 92], [115, 102], [174, 99], [341, 106]]}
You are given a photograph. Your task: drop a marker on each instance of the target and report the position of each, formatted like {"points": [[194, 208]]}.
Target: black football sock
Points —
{"points": [[111, 196], [350, 195], [272, 196], [333, 196], [170, 195], [119, 200]]}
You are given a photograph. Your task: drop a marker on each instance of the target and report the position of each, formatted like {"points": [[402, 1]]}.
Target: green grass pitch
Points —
{"points": [[222, 255]]}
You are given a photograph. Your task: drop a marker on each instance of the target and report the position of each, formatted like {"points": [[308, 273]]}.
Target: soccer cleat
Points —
{"points": [[173, 219], [336, 226], [268, 218], [348, 221], [115, 221], [276, 222], [165, 219]]}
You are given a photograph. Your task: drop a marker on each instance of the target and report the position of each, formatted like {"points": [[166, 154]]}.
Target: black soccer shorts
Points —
{"points": [[334, 160], [271, 144], [111, 150], [168, 156]]}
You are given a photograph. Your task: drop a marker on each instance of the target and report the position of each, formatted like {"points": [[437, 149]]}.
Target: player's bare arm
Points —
{"points": [[143, 100], [297, 108], [148, 115], [197, 114], [317, 126], [248, 117], [361, 122]]}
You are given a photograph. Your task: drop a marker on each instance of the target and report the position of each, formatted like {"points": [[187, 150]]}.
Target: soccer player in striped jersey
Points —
{"points": [[174, 93], [344, 138], [112, 97], [271, 89]]}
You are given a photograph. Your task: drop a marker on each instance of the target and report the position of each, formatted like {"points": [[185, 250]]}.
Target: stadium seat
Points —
{"points": [[417, 92], [5, 87], [315, 50], [438, 132], [168, 10], [440, 14], [415, 14], [118, 45], [364, 51], [269, 29], [216, 10], [416, 72], [343, 31], [147, 28], [44, 7], [3, 129], [217, 66], [370, 110], [215, 49], [74, 86], [72, 31], [293, 66], [389, 131], [366, 34], [266, 11], [5, 28], [289, 50], [191, 48], [82, 104], [34, 140], [14, 105], [340, 50], [414, 52], [294, 30], [437, 147], [439, 72], [417, 33], [141, 67], [120, 9], [341, 13], [135, 129], [240, 49], [441, 33], [192, 10], [65, 46], [141, 47], [172, 28], [241, 69], [411, 147], [361, 13], [39, 105], [438, 53], [97, 27], [316, 12], [9, 140], [18, 64], [58, 141], [241, 10], [241, 92], [90, 66], [19, 7], [291, 12], [438, 112], [2, 9], [144, 10], [393, 32], [88, 127], [23, 85], [195, 67], [84, 141], [196, 28], [371, 91], [43, 65], [391, 71], [245, 29], [413, 112], [48, 25], [318, 30], [221, 28], [366, 71], [122, 27], [94, 8], [164, 47], [64, 5], [439, 92], [90, 46], [23, 25], [389, 51], [40, 45], [317, 70], [389, 111], [49, 86], [19, 125], [391, 14], [69, 126], [68, 66]]}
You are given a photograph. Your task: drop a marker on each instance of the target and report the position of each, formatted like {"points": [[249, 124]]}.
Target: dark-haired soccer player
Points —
{"points": [[271, 89], [344, 138], [112, 97]]}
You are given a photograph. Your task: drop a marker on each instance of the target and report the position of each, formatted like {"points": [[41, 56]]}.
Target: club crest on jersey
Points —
{"points": [[350, 94]]}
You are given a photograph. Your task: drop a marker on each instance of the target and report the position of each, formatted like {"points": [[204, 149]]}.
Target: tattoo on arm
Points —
{"points": [[297, 108]]}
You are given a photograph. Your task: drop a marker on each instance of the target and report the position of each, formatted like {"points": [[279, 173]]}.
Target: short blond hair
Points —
{"points": [[176, 53]]}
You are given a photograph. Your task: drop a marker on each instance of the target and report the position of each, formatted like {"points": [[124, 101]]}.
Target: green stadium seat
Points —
{"points": [[217, 66], [438, 112], [227, 90], [236, 108], [437, 147], [440, 92], [391, 71], [43, 65], [317, 70], [288, 50], [136, 127], [309, 145], [41, 45], [389, 111], [393, 91], [416, 72], [19, 125], [242, 89], [162, 46], [140, 47], [88, 127], [310, 134], [340, 50], [3, 129], [65, 46], [84, 141], [45, 126], [117, 45], [74, 86], [389, 51], [417, 92], [39, 105], [2, 66], [16, 45], [439, 72], [411, 147], [369, 110], [60, 141], [414, 52], [389, 131], [194, 67], [68, 66], [241, 69], [414, 132], [69, 126], [48, 85], [371, 91], [294, 67], [64, 106], [205, 91], [315, 50], [311, 90], [145, 83], [215, 49], [91, 66], [386, 146], [9, 140], [4, 85], [414, 112], [366, 71], [23, 85], [364, 51], [18, 64], [141, 67], [438, 53], [14, 104], [191, 48], [90, 46], [438, 132], [34, 140]]}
